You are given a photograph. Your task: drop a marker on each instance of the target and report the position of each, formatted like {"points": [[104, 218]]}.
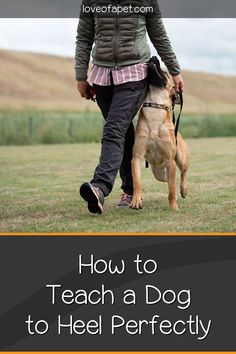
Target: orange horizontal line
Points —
{"points": [[118, 234], [151, 352]]}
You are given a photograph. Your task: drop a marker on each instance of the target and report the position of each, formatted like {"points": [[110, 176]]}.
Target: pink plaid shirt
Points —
{"points": [[100, 75]]}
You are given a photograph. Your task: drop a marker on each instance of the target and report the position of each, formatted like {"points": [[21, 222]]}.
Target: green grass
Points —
{"points": [[71, 127], [49, 127], [39, 191]]}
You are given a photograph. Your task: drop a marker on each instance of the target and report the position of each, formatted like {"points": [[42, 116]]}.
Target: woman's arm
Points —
{"points": [[84, 43]]}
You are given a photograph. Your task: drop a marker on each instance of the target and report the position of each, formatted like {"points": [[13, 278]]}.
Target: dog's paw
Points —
{"points": [[174, 206], [136, 203], [183, 191]]}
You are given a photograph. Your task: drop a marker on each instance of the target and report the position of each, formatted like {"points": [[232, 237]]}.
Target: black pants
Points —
{"points": [[118, 104]]}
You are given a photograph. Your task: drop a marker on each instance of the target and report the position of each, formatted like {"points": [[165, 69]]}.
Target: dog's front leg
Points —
{"points": [[136, 174], [139, 150], [171, 175], [182, 161]]}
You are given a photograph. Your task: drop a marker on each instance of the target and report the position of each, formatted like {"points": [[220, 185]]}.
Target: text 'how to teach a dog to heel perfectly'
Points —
{"points": [[111, 292]]}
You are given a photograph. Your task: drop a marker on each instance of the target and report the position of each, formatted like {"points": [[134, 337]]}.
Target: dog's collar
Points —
{"points": [[157, 105]]}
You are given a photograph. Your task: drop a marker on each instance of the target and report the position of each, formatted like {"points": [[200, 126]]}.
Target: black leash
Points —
{"points": [[176, 122]]}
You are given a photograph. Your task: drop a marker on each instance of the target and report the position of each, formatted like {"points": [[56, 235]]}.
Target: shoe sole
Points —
{"points": [[123, 205], [88, 194]]}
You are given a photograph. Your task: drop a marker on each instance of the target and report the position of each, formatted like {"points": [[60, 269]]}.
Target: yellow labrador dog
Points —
{"points": [[155, 139]]}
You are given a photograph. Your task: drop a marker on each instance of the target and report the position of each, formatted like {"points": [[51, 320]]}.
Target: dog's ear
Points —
{"points": [[156, 76]]}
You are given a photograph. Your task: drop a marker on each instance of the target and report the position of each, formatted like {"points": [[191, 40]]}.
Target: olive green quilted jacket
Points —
{"points": [[118, 40]]}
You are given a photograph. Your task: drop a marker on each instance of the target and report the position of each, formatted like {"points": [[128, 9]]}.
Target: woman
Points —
{"points": [[119, 77]]}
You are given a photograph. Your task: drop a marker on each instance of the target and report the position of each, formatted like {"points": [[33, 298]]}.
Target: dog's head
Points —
{"points": [[162, 80], [156, 76]]}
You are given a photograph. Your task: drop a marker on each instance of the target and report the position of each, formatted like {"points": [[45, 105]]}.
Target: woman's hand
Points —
{"points": [[83, 88], [179, 83]]}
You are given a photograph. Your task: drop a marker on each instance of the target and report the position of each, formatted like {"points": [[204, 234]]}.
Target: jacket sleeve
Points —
{"points": [[160, 40], [84, 43]]}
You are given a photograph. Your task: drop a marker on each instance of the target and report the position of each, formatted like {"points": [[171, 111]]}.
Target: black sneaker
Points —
{"points": [[94, 196]]}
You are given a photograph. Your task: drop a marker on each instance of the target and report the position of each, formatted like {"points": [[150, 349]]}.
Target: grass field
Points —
{"points": [[39, 191], [24, 128]]}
